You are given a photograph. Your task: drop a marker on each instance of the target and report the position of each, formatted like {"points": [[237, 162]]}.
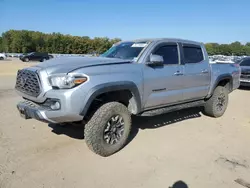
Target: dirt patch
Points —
{"points": [[6, 93], [10, 67]]}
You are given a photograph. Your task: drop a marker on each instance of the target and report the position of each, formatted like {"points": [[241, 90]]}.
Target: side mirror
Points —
{"points": [[155, 60]]}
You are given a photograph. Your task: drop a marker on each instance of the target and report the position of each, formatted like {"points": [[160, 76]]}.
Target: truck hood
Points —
{"points": [[69, 64]]}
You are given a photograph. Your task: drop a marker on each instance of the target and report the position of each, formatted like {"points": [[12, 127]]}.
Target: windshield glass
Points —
{"points": [[30, 53], [245, 62], [125, 50]]}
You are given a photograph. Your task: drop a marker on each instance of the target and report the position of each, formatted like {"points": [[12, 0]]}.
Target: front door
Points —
{"points": [[163, 85]]}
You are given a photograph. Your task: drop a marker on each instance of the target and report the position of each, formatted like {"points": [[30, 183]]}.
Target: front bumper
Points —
{"points": [[28, 110], [69, 110]]}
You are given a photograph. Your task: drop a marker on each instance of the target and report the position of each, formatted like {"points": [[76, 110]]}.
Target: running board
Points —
{"points": [[177, 107]]}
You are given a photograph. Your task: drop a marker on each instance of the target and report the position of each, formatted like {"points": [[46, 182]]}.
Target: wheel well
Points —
{"points": [[121, 96], [227, 83]]}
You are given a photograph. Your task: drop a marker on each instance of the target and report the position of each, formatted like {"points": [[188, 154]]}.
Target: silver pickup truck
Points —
{"points": [[141, 77]]}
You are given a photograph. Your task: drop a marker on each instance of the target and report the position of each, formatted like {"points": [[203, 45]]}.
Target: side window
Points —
{"points": [[169, 54], [193, 54]]}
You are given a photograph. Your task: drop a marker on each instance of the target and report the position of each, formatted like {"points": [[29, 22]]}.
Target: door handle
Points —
{"points": [[205, 71], [178, 73]]}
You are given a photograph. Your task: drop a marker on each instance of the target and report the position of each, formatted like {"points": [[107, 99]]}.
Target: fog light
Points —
{"points": [[55, 106]]}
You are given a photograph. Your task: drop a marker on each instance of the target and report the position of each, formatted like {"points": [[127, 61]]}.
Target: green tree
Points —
{"points": [[1, 44], [248, 44], [22, 41]]}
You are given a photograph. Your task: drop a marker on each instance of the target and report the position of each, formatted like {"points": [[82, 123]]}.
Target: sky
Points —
{"points": [[222, 21]]}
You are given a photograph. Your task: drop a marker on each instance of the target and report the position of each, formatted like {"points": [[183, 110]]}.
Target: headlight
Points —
{"points": [[66, 81]]}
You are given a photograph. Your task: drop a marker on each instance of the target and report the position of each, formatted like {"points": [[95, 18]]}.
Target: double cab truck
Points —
{"points": [[144, 77]]}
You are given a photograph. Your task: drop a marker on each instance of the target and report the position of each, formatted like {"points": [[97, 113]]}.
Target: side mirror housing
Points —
{"points": [[155, 60]]}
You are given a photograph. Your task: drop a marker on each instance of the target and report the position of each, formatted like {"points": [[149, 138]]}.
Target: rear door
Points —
{"points": [[197, 72], [163, 85]]}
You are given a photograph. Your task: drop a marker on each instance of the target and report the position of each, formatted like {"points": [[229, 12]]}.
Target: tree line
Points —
{"points": [[24, 41], [235, 48]]}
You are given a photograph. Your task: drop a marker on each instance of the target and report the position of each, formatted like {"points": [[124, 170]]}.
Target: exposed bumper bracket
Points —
{"points": [[28, 111]]}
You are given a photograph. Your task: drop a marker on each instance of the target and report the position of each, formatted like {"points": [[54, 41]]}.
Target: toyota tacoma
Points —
{"points": [[144, 77]]}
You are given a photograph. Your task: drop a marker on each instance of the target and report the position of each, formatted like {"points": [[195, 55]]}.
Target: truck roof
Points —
{"points": [[167, 39]]}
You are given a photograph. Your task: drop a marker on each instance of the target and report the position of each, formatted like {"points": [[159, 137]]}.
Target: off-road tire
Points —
{"points": [[1, 58], [94, 129], [210, 108]]}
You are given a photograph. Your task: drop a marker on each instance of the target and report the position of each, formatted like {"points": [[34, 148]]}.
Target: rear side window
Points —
{"points": [[193, 54], [169, 54]]}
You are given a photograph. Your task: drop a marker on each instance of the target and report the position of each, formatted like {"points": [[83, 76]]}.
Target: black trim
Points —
{"points": [[223, 77], [157, 90], [172, 108], [191, 45], [113, 86], [181, 54]]}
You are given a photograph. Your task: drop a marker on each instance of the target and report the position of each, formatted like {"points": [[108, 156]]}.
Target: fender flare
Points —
{"points": [[134, 103], [220, 78]]}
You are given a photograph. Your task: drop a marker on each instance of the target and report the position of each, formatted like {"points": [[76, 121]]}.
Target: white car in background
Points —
{"points": [[2, 56]]}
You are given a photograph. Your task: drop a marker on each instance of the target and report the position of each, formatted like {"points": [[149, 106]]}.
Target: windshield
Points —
{"points": [[30, 53], [125, 50], [245, 62]]}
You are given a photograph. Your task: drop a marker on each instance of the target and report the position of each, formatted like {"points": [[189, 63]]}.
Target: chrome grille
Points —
{"points": [[27, 82]]}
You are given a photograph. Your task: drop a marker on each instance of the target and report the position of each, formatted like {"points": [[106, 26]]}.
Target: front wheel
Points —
{"points": [[108, 130], [217, 104]]}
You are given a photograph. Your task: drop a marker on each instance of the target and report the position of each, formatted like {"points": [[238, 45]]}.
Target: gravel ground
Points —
{"points": [[183, 146]]}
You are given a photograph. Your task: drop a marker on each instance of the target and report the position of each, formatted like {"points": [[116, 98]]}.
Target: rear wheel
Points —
{"points": [[217, 104], [108, 129]]}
